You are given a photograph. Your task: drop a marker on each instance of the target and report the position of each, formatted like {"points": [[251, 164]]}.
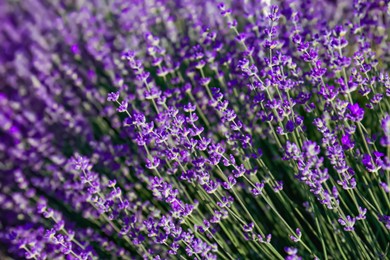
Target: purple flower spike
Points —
{"points": [[385, 140], [346, 141], [123, 106], [297, 236], [113, 96], [348, 223], [80, 163], [355, 112]]}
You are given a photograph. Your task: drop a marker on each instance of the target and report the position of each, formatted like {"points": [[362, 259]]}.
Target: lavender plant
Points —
{"points": [[194, 129]]}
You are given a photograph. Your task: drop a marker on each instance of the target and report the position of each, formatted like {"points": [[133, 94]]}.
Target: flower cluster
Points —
{"points": [[194, 129]]}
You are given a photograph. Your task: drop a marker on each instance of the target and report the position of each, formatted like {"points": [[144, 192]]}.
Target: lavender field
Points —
{"points": [[195, 129]]}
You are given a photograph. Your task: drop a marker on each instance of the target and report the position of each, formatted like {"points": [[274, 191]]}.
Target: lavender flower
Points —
{"points": [[355, 113]]}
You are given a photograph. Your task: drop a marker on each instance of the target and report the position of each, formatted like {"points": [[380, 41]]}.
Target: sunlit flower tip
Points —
{"points": [[113, 96], [264, 239], [153, 163], [123, 106], [355, 112], [348, 223], [291, 250], [80, 163], [362, 214], [111, 183], [346, 142], [248, 227]]}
